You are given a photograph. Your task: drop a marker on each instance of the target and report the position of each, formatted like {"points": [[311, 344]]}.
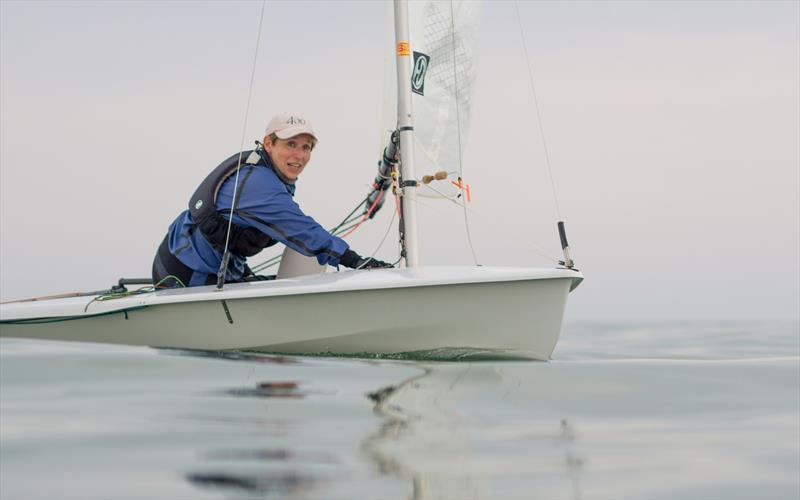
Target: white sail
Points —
{"points": [[442, 38]]}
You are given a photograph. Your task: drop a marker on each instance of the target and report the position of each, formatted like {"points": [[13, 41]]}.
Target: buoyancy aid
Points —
{"points": [[244, 241]]}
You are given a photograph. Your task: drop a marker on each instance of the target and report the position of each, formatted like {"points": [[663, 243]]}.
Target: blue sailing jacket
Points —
{"points": [[265, 203]]}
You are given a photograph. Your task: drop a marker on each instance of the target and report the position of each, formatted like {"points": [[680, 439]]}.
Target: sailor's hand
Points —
{"points": [[373, 264], [354, 261]]}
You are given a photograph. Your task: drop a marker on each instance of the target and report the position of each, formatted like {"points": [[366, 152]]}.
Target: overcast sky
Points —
{"points": [[673, 130]]}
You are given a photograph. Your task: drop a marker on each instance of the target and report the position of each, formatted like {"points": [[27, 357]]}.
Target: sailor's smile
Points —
{"points": [[290, 156]]}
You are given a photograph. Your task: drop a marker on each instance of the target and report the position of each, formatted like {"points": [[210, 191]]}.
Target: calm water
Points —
{"points": [[677, 410]]}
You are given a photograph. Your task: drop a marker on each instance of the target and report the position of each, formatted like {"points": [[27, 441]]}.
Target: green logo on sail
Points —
{"points": [[421, 62]]}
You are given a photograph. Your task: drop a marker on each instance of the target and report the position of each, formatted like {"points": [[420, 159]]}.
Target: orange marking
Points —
{"points": [[403, 49], [464, 187]]}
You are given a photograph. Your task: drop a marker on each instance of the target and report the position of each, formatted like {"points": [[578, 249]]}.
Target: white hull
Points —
{"points": [[505, 311]]}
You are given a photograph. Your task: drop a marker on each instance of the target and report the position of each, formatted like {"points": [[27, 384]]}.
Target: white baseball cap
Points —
{"points": [[286, 125]]}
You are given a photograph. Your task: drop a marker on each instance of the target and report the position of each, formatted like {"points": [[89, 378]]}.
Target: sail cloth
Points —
{"points": [[442, 38]]}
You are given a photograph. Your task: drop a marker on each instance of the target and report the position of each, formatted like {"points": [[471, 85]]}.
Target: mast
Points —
{"points": [[405, 127]]}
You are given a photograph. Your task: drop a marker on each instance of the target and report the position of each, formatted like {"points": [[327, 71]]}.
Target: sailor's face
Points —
{"points": [[290, 155]]}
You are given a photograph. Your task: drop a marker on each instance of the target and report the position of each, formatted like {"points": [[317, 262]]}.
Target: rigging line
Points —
{"points": [[345, 220], [444, 195], [538, 112], [458, 123], [346, 230], [346, 226], [267, 263], [383, 240], [482, 222], [365, 217], [224, 264]]}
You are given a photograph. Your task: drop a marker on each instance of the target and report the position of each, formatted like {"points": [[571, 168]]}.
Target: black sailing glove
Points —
{"points": [[354, 261]]}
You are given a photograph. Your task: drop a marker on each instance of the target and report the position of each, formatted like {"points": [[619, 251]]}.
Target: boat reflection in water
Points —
{"points": [[191, 424], [429, 436], [432, 437]]}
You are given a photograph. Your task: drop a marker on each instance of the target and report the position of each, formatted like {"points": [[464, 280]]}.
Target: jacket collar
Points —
{"points": [[268, 162]]}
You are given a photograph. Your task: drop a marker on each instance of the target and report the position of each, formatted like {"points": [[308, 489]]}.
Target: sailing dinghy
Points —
{"points": [[491, 311]]}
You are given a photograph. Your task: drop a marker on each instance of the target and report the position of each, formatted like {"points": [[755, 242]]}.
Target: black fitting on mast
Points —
{"points": [[386, 165], [396, 156]]}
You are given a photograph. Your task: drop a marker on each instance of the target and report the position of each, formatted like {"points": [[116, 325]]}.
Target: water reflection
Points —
{"points": [[432, 437], [447, 432], [271, 426], [185, 425], [231, 356], [286, 389], [271, 455], [455, 430], [288, 483], [283, 479]]}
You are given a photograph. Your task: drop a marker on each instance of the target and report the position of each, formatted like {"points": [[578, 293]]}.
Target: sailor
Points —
{"points": [[265, 213]]}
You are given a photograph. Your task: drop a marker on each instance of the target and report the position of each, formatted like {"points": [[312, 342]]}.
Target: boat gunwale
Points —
{"points": [[78, 307]]}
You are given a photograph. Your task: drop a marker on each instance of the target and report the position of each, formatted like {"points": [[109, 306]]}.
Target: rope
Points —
{"points": [[453, 199], [383, 240], [61, 319], [349, 229], [224, 264], [538, 113], [138, 291], [347, 217], [366, 215], [458, 123], [349, 222], [267, 264]]}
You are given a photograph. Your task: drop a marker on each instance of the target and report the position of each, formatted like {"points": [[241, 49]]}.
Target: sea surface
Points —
{"points": [[678, 410]]}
